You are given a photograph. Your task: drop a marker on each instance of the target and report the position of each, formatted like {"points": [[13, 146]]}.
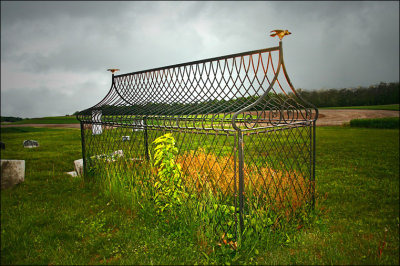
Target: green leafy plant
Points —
{"points": [[169, 188]]}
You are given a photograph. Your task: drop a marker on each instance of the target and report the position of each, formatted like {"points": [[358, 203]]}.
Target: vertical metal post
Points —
{"points": [[83, 150], [313, 168], [241, 180], [310, 164], [146, 141], [236, 185]]}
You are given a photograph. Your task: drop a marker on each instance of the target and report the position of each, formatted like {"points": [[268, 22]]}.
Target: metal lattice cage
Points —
{"points": [[245, 139]]}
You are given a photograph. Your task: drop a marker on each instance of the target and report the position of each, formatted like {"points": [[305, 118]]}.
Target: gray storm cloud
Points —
{"points": [[54, 54]]}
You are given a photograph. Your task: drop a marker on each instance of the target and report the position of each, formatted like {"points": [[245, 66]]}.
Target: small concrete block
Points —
{"points": [[126, 138], [78, 166], [12, 173], [72, 173], [30, 144]]}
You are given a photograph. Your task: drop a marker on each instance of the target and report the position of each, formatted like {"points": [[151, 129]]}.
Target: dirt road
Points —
{"points": [[330, 117], [327, 117]]}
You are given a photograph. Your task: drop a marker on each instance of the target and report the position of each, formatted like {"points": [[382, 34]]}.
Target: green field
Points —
{"points": [[73, 120], [386, 122], [53, 218], [49, 120], [392, 107]]}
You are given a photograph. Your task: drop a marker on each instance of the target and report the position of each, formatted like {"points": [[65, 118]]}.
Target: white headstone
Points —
{"points": [[96, 119], [78, 166], [138, 125]]}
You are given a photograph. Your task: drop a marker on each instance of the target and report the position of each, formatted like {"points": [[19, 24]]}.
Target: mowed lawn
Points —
{"points": [[53, 218]]}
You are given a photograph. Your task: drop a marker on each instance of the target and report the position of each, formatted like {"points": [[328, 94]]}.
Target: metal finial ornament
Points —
{"points": [[113, 70], [280, 33]]}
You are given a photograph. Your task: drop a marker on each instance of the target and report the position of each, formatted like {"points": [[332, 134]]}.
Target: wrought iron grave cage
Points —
{"points": [[245, 138]]}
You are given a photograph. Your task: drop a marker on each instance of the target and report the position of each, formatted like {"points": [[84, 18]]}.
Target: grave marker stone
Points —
{"points": [[30, 144], [78, 166], [12, 173]]}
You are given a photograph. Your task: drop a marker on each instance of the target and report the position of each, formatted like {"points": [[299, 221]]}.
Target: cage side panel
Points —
{"points": [[277, 174], [209, 173], [112, 148], [207, 160]]}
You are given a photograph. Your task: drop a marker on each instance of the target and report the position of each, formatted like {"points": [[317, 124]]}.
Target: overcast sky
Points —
{"points": [[54, 55]]}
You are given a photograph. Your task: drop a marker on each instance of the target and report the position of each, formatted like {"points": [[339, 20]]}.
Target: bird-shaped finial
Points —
{"points": [[280, 33], [113, 70]]}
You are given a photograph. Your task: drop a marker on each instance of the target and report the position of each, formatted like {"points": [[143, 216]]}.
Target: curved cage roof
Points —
{"points": [[244, 91]]}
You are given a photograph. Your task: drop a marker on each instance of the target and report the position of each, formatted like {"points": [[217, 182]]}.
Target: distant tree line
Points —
{"points": [[10, 119], [383, 93]]}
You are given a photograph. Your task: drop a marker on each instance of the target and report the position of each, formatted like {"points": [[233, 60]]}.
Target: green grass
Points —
{"points": [[392, 107], [52, 218], [48, 120], [358, 169], [25, 129], [386, 122]]}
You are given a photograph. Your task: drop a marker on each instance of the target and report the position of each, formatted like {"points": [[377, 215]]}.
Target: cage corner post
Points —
{"points": [[84, 172], [313, 166], [240, 148], [146, 139]]}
